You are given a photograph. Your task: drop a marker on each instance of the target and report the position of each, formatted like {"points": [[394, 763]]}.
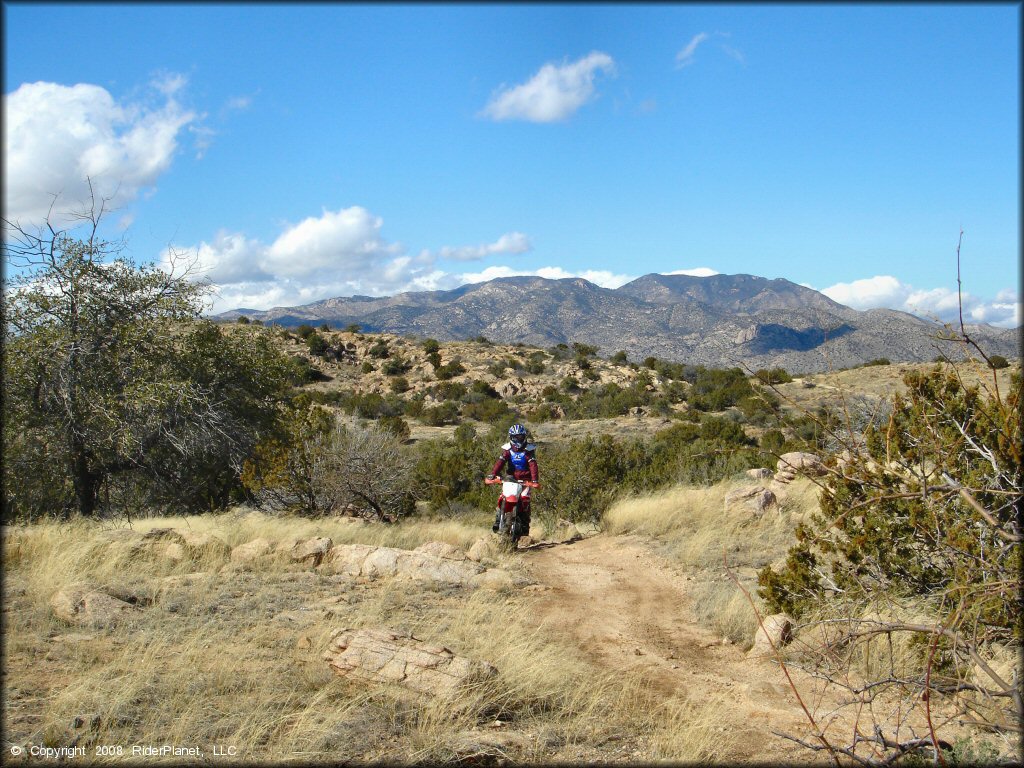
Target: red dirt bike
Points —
{"points": [[509, 505]]}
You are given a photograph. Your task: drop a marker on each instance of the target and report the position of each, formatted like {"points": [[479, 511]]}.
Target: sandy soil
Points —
{"points": [[628, 608]]}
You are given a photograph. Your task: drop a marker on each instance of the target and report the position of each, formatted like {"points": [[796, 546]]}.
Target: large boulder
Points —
{"points": [[441, 549], [482, 549], [754, 498], [775, 632], [251, 551], [375, 562], [800, 462], [311, 551], [386, 656], [761, 473], [82, 604]]}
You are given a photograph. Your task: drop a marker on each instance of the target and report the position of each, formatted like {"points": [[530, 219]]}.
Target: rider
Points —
{"points": [[518, 455]]}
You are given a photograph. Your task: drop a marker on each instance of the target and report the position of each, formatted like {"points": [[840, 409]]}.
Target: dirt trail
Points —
{"points": [[629, 609]]}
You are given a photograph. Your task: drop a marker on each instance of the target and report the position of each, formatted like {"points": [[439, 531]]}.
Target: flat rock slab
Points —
{"points": [[386, 656], [364, 560], [82, 604], [801, 462], [441, 549], [251, 550]]}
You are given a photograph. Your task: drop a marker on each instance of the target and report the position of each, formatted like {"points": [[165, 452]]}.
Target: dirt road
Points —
{"points": [[629, 609]]}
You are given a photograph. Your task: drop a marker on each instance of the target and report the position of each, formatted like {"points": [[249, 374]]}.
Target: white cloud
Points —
{"points": [[735, 53], [602, 278], [554, 93], [685, 56], [510, 243], [696, 272], [339, 253], [58, 136], [238, 103], [346, 241], [886, 291], [872, 292]]}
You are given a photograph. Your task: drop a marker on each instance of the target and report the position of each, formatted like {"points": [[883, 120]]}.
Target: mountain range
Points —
{"points": [[718, 321]]}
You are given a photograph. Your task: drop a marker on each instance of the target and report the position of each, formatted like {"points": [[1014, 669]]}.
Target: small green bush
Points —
{"points": [[998, 362]]}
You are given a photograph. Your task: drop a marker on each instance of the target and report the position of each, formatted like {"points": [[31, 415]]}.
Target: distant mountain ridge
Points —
{"points": [[720, 321]]}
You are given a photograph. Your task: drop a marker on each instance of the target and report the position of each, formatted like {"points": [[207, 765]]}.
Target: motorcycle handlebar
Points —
{"points": [[496, 480]]}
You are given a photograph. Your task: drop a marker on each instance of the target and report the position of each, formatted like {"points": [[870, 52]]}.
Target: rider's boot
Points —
{"points": [[497, 519], [524, 516]]}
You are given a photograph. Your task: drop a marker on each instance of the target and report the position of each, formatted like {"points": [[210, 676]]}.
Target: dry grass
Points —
{"points": [[232, 659], [696, 529]]}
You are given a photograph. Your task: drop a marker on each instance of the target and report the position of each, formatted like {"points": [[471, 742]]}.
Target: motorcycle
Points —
{"points": [[509, 505]]}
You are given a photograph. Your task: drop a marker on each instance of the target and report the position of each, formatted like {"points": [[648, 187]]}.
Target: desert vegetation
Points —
{"points": [[148, 449]]}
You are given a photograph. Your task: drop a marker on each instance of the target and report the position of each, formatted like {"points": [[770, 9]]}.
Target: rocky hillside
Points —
{"points": [[719, 321]]}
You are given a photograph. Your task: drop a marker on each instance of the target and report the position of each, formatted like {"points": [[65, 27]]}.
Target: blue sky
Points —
{"points": [[298, 152]]}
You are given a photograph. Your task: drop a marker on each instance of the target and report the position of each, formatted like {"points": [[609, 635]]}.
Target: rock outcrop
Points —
{"points": [[777, 631], [441, 549], [799, 462], [386, 656], [756, 499], [373, 562], [85, 605], [251, 551], [311, 551]]}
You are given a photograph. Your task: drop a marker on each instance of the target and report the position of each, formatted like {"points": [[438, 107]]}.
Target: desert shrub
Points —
{"points": [[449, 390], [399, 384], [484, 389], [497, 369], [441, 414], [761, 408], [772, 442], [716, 389], [487, 410], [584, 350], [304, 331], [560, 352], [619, 358], [579, 480], [379, 350], [877, 361], [448, 472], [317, 344], [396, 425], [285, 471], [395, 366], [998, 362], [449, 370], [367, 367], [917, 546], [326, 465], [676, 392], [773, 376], [535, 365], [243, 320], [301, 372], [353, 328]]}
